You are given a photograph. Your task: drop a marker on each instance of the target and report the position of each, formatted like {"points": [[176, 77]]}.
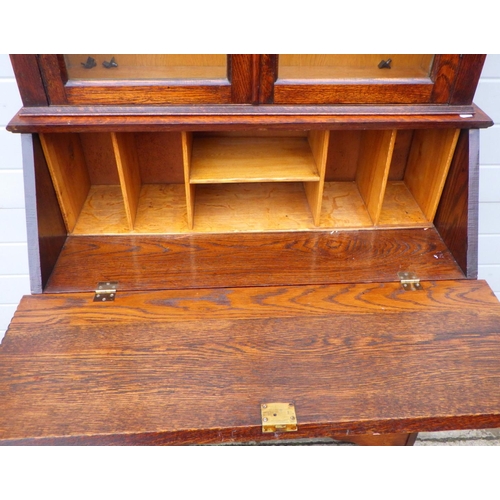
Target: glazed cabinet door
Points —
{"points": [[146, 79], [372, 79]]}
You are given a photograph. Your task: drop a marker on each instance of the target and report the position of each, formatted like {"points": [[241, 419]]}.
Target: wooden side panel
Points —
{"points": [[457, 214], [179, 367], [29, 80], [373, 168], [430, 158], [318, 140], [467, 78], [69, 173], [45, 225], [128, 171]]}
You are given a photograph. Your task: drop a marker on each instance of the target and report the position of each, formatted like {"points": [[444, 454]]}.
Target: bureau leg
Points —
{"points": [[379, 440]]}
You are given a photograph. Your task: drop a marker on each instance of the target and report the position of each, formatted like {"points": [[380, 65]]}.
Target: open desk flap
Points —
{"points": [[197, 366]]}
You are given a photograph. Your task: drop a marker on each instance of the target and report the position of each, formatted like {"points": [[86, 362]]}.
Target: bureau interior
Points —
{"points": [[175, 210], [185, 183]]}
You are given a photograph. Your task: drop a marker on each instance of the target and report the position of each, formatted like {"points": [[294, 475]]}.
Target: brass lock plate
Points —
{"points": [[278, 417]]}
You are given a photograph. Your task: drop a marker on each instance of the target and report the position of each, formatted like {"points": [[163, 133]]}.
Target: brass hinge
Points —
{"points": [[106, 291], [278, 417], [409, 281]]}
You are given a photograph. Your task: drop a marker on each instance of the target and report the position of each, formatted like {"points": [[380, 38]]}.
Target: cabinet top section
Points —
{"points": [[262, 86]]}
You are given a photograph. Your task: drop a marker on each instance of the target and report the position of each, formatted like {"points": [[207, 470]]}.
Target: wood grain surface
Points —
{"points": [[228, 260], [178, 367]]}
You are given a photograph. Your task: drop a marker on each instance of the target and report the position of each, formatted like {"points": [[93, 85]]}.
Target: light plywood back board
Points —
{"points": [[343, 153]]}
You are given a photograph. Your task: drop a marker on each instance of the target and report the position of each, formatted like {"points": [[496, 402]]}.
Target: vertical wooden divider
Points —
{"points": [[374, 163], [428, 164], [318, 140], [127, 164], [187, 146], [68, 169]]}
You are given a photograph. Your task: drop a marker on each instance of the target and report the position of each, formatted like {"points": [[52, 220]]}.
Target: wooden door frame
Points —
{"points": [[452, 81], [60, 90]]}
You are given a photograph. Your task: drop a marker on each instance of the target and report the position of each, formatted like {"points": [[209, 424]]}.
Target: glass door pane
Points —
{"points": [[146, 66], [354, 66]]}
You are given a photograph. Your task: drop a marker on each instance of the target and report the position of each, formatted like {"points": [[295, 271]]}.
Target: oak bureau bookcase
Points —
{"points": [[234, 248]]}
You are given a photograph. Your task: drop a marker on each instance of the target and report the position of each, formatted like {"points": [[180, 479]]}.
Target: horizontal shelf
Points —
{"points": [[252, 159]]}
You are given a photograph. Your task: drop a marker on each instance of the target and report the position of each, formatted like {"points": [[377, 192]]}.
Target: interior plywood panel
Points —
{"points": [[343, 153], [160, 157], [99, 158]]}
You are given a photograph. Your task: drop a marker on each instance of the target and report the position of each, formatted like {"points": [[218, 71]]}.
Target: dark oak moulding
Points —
{"points": [[257, 226]]}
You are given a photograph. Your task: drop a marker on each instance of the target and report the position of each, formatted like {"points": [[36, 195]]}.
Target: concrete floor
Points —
{"points": [[485, 437]]}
